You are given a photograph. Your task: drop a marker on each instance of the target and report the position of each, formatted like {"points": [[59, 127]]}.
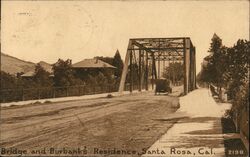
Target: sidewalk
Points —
{"points": [[198, 131]]}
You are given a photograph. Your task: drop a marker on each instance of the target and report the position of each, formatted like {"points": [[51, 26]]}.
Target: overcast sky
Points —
{"points": [[47, 30]]}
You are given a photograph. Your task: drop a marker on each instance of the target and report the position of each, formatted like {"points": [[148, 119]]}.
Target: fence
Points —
{"points": [[241, 121], [213, 90], [244, 123], [11, 95], [240, 116]]}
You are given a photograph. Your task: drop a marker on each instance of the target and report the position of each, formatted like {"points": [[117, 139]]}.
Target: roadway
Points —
{"points": [[130, 122]]}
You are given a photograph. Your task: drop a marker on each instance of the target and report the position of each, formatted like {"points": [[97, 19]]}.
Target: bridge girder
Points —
{"points": [[157, 50]]}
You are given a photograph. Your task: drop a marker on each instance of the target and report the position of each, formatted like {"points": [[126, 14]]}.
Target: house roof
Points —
{"points": [[28, 74], [92, 63]]}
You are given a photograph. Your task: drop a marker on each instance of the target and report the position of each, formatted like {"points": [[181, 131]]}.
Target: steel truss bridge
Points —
{"points": [[146, 56]]}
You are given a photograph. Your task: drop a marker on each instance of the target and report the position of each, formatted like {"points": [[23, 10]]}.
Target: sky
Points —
{"points": [[48, 30]]}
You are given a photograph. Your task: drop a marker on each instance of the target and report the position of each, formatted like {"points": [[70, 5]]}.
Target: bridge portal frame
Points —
{"points": [[157, 50]]}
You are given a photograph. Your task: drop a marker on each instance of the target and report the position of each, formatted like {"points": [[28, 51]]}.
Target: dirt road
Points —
{"points": [[130, 122]]}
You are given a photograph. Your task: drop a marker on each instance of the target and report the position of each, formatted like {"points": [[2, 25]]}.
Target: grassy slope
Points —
{"points": [[14, 65]]}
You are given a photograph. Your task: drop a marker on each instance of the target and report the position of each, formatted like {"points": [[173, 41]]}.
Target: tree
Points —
{"points": [[217, 61], [239, 82], [174, 72], [7, 80], [101, 79], [41, 77], [108, 60], [63, 73], [118, 63], [238, 68], [215, 45], [92, 81], [228, 67]]}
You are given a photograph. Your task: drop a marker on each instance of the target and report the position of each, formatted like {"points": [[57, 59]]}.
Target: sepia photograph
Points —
{"points": [[124, 78]]}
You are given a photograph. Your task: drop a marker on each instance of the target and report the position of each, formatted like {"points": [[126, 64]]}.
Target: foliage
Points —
{"points": [[174, 72], [91, 80], [63, 73], [7, 80], [241, 98], [108, 60], [64, 77], [101, 79], [41, 77], [229, 68], [118, 63], [109, 75], [115, 61], [238, 68], [227, 64], [216, 62]]}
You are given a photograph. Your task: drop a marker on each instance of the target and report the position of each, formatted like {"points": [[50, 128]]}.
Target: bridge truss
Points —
{"points": [[146, 56]]}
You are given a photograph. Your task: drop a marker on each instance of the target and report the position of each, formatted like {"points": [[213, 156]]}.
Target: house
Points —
{"points": [[83, 70], [92, 64], [92, 67]]}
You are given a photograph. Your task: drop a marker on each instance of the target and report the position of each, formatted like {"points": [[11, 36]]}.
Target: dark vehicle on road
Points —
{"points": [[163, 86]]}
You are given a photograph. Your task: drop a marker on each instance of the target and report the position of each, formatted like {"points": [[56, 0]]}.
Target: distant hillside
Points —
{"points": [[46, 66], [13, 65]]}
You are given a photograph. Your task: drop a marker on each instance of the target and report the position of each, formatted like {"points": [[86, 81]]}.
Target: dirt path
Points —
{"points": [[128, 122]]}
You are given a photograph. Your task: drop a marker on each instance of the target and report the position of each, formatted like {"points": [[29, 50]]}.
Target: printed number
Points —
{"points": [[235, 152]]}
